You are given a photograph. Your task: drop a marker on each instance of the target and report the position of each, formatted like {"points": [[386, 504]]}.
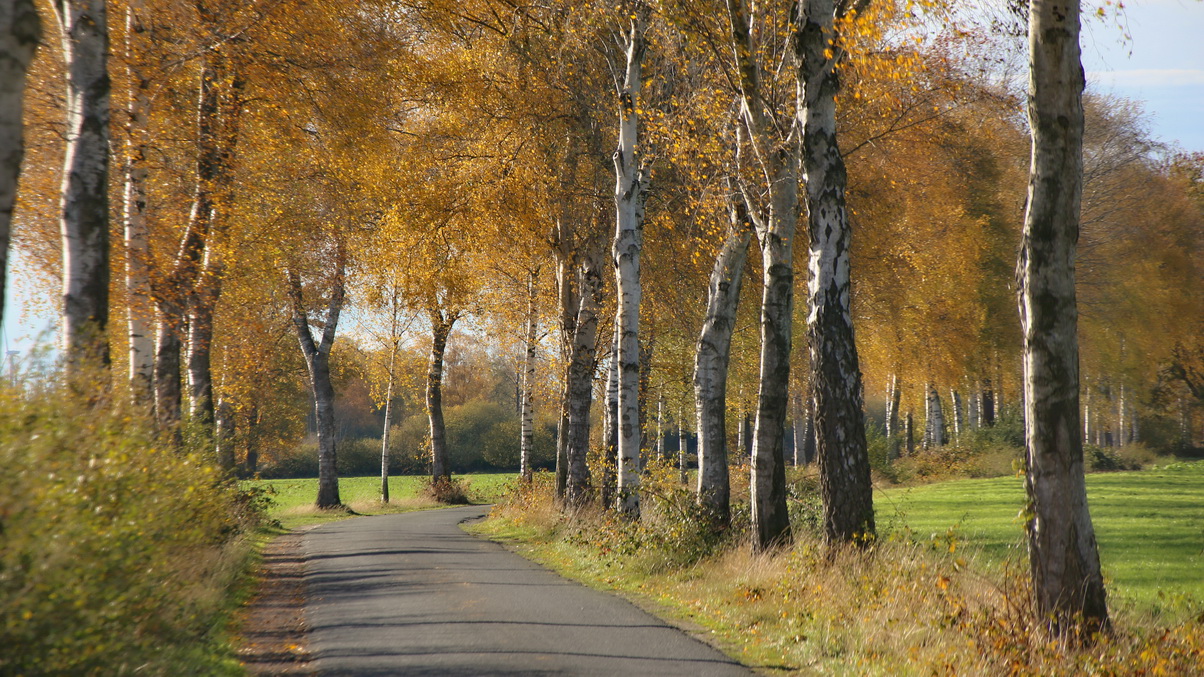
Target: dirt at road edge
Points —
{"points": [[274, 633]]}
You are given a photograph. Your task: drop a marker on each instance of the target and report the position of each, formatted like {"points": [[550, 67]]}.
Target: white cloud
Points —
{"points": [[1147, 77]]}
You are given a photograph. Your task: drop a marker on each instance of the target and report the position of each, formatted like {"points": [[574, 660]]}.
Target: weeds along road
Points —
{"points": [[413, 594]]}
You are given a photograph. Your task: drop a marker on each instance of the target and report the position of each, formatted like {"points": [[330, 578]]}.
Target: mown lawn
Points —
{"points": [[292, 499], [1149, 524]]}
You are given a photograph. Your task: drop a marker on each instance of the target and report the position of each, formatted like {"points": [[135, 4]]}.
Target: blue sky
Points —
{"points": [[1161, 63]]}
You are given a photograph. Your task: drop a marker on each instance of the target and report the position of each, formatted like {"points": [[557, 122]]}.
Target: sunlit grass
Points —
{"points": [[293, 499], [1149, 525]]}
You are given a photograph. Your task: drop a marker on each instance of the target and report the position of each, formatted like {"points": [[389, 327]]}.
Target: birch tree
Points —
{"points": [[1063, 557], [83, 25], [712, 357], [844, 466], [140, 328], [631, 185], [20, 31], [317, 362]]}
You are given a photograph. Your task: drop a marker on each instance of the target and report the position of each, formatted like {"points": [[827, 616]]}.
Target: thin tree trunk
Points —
{"points": [[317, 361], [441, 326], [251, 439], [893, 395], [955, 401], [18, 40], [570, 303], [223, 434], [527, 415], [1067, 583], [660, 427], [85, 192], [911, 433], [800, 430], [199, 361], [711, 359], [934, 419], [384, 436], [987, 409], [844, 467], [681, 447], [647, 445], [139, 303]]}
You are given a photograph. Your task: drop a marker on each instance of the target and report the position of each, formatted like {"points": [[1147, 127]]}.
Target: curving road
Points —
{"points": [[413, 594]]}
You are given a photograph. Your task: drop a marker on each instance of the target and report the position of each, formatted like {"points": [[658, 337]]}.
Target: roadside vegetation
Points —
{"points": [[119, 554], [944, 589]]}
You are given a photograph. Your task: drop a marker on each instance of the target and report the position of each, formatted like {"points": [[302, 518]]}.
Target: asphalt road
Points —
{"points": [[413, 594]]}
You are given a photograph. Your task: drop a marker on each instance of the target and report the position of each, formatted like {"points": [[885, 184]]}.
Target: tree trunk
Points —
{"points": [[85, 192], [660, 427], [682, 449], [441, 326], [844, 467], [581, 378], [18, 40], [711, 359], [800, 430], [223, 435], [934, 419], [251, 439], [168, 386], [911, 433], [987, 408], [631, 183], [317, 361], [955, 401], [199, 361], [384, 436], [1067, 584], [527, 430], [647, 445], [139, 304], [893, 395], [610, 430]]}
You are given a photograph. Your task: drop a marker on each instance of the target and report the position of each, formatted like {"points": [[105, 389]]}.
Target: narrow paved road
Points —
{"points": [[413, 594]]}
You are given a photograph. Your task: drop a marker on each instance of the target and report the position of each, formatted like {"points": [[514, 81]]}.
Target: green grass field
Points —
{"points": [[1149, 524], [292, 499]]}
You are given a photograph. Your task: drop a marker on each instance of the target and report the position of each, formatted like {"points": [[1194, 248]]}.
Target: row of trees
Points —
{"points": [[285, 166]]}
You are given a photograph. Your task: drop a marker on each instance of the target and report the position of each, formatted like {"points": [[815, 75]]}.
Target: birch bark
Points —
{"points": [[139, 303], [1064, 560], [317, 362], [527, 413], [631, 185], [85, 191], [844, 467], [582, 363], [711, 359], [394, 345], [18, 40]]}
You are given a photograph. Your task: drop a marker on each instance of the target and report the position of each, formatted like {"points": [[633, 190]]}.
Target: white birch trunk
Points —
{"points": [[711, 359], [1067, 584], [582, 364], [800, 430], [630, 190], [610, 428], [527, 394], [85, 192], [660, 427], [139, 305], [836, 375], [20, 31], [384, 436], [934, 419], [955, 401], [893, 397]]}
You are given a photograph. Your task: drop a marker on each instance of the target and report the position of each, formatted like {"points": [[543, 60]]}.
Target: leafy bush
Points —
{"points": [[117, 551], [450, 491]]}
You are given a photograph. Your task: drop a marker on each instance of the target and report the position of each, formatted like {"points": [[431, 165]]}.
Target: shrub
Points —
{"points": [[447, 490], [117, 551]]}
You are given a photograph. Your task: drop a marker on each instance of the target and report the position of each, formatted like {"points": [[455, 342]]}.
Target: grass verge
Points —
{"points": [[904, 606]]}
